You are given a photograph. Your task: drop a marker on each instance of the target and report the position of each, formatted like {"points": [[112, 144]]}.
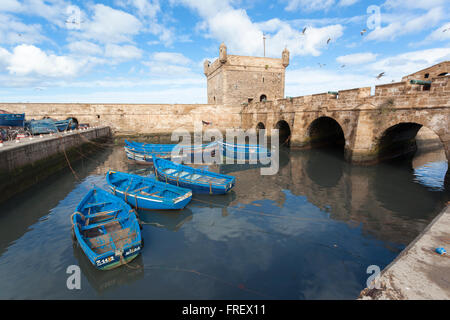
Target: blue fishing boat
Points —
{"points": [[11, 119], [63, 125], [244, 152], [41, 126], [145, 157], [144, 152], [107, 230], [198, 180], [147, 193]]}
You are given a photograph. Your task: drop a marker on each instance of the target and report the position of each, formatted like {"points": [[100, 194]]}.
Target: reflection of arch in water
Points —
{"points": [[164, 219], [104, 281], [284, 132], [324, 132], [395, 188], [325, 167]]}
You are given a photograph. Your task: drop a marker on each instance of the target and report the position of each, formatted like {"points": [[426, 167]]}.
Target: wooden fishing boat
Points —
{"points": [[144, 152], [198, 180], [145, 157], [42, 126], [11, 119], [147, 193], [244, 152], [107, 230]]}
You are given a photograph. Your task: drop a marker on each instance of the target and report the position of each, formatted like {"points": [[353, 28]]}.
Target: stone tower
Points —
{"points": [[233, 80]]}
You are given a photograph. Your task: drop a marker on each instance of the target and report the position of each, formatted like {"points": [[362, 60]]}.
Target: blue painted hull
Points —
{"points": [[199, 181], [43, 126], [12, 120], [107, 230], [245, 153], [147, 193]]}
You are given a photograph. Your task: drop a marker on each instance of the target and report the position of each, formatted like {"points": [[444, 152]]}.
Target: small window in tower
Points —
{"points": [[426, 75], [442, 74], [263, 79], [426, 87], [250, 100], [263, 98]]}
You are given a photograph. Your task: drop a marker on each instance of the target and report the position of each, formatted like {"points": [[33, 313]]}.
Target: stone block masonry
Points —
{"points": [[29, 161]]}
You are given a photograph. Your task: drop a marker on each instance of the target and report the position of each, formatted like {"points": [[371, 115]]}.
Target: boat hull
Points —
{"points": [[145, 193], [12, 120], [205, 182], [106, 229]]}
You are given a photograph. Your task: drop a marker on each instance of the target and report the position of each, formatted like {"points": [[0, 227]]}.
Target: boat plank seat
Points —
{"points": [[103, 213], [151, 194], [98, 225], [139, 190], [91, 205]]}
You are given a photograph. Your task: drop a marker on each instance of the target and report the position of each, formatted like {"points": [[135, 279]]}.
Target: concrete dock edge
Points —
{"points": [[418, 273]]}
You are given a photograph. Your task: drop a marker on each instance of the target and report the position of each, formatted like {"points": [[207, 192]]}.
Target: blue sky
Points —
{"points": [[152, 51]]}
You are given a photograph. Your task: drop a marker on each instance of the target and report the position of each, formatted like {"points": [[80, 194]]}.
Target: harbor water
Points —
{"points": [[309, 232]]}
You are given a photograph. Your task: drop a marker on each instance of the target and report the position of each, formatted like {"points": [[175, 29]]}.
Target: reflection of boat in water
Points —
{"points": [[105, 281], [209, 201], [163, 219]]}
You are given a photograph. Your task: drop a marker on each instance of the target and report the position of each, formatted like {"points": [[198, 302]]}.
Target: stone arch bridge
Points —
{"points": [[371, 127]]}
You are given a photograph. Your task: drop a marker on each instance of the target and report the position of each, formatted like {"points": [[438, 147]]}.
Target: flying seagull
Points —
{"points": [[328, 41], [363, 31], [380, 75], [304, 30], [343, 66], [445, 30], [321, 65]]}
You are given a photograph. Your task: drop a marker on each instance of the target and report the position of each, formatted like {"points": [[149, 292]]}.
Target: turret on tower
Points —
{"points": [[223, 53]]}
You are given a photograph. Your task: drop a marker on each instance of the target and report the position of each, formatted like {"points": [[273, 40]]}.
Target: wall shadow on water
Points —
{"points": [[17, 215]]}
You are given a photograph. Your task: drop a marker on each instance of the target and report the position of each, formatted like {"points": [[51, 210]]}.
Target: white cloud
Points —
{"points": [[309, 5], [85, 48], [440, 34], [356, 58], [30, 60], [408, 4], [171, 57], [10, 5], [13, 31], [406, 23], [345, 3], [409, 62], [223, 23], [109, 25], [126, 52]]}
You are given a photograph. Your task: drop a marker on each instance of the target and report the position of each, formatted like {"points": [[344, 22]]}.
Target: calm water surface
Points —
{"points": [[309, 232]]}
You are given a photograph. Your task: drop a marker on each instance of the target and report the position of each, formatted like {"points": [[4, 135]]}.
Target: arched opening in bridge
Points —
{"points": [[398, 141], [284, 132], [263, 98], [74, 122], [260, 126], [326, 132]]}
